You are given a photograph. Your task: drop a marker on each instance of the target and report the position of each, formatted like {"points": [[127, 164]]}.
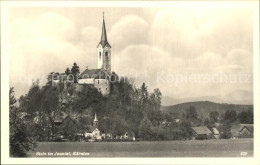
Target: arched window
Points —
{"points": [[99, 55], [106, 54]]}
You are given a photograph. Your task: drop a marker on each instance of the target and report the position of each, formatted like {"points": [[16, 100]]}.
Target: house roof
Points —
{"points": [[250, 127], [91, 129], [235, 129], [201, 130]]}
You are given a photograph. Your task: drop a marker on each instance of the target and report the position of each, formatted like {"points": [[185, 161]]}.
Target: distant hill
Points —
{"points": [[236, 97], [167, 101], [203, 108]]}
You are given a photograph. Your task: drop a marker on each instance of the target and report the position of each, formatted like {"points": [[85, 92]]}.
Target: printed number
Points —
{"points": [[243, 153]]}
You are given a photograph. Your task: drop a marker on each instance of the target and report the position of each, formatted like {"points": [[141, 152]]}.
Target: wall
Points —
{"points": [[103, 85]]}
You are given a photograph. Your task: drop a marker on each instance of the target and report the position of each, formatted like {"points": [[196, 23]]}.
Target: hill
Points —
{"points": [[236, 97], [203, 108]]}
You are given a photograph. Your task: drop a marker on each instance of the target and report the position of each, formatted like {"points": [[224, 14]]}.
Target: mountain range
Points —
{"points": [[203, 108], [237, 97]]}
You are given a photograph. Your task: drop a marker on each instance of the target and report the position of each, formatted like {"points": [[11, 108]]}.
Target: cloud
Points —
{"points": [[129, 30], [49, 24], [188, 33], [39, 46]]}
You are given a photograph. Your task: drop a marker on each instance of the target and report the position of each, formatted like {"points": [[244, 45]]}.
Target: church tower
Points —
{"points": [[104, 50], [95, 122]]}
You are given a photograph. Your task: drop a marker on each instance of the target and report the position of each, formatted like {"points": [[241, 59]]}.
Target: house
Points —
{"points": [[67, 128], [107, 136], [246, 131], [242, 131], [93, 133], [201, 133], [215, 132]]}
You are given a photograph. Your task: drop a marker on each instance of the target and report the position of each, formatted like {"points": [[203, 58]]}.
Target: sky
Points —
{"points": [[185, 52]]}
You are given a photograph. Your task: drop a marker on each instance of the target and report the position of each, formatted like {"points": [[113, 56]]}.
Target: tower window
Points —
{"points": [[100, 55], [98, 81], [106, 53]]}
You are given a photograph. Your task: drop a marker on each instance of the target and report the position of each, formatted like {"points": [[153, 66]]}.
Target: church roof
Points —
{"points": [[91, 129], [94, 73], [103, 40]]}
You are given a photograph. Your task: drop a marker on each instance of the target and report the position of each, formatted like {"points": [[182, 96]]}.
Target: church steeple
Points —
{"points": [[103, 40], [95, 122], [104, 50]]}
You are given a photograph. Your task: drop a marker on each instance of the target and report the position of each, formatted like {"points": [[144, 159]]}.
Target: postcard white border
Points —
{"points": [[189, 4]]}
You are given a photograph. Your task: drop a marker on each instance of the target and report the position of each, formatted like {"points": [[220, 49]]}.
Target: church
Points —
{"points": [[100, 77]]}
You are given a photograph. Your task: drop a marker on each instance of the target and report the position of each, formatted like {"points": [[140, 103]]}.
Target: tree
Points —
{"points": [[145, 130], [51, 107], [20, 139], [230, 116], [191, 113], [75, 71], [213, 116], [246, 117], [67, 71], [225, 130], [143, 96]]}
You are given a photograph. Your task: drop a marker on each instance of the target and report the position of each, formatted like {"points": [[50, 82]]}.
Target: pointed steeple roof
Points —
{"points": [[103, 40], [95, 117]]}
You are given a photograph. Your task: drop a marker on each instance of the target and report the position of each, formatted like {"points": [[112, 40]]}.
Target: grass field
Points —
{"points": [[189, 148]]}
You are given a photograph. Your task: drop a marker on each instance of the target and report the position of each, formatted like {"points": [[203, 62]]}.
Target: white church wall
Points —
{"points": [[86, 81]]}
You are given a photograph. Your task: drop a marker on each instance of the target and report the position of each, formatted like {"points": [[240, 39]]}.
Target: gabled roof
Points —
{"points": [[236, 129], [201, 130], [94, 73]]}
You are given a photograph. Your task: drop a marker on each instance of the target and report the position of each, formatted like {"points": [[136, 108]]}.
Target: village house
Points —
{"points": [[201, 133], [242, 131], [215, 132]]}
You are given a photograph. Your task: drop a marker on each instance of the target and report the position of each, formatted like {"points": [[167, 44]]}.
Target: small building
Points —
{"points": [[242, 131], [107, 136], [215, 132], [201, 133], [93, 132]]}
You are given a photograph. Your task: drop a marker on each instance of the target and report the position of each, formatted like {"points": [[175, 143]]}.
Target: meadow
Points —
{"points": [[187, 148]]}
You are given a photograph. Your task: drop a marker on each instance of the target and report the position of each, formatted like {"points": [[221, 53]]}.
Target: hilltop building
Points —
{"points": [[100, 77]]}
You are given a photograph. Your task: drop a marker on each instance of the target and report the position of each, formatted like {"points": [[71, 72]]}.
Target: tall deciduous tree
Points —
{"points": [[75, 71], [145, 129], [20, 139], [67, 71]]}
